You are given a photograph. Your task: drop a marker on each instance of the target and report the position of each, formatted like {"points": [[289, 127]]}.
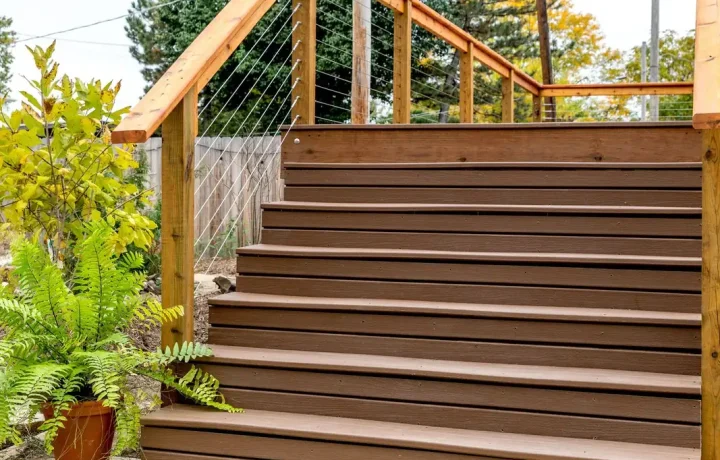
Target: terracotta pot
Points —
{"points": [[88, 433]]}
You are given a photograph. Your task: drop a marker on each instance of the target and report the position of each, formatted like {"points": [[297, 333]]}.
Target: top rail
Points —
{"points": [[195, 67], [706, 102]]}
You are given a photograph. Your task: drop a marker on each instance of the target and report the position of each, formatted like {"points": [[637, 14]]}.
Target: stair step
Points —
{"points": [[266, 434], [468, 242], [486, 218], [450, 309], [471, 293], [522, 175], [562, 270], [558, 377], [530, 258], [495, 208]]}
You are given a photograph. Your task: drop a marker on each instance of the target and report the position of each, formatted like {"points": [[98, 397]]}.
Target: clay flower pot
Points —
{"points": [[88, 433]]}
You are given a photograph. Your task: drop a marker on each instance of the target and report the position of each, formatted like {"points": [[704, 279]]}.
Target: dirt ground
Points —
{"points": [[149, 340]]}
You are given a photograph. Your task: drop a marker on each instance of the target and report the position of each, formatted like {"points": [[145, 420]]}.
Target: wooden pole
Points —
{"points": [[711, 296], [178, 217], [537, 109], [306, 15], [362, 30], [467, 84], [402, 97], [508, 98], [545, 54]]}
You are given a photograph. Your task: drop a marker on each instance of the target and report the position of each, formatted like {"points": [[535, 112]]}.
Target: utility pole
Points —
{"points": [[545, 56], [362, 30], [655, 58], [643, 78]]}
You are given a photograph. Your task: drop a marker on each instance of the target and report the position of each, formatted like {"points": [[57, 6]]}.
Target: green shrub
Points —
{"points": [[60, 169], [66, 340]]}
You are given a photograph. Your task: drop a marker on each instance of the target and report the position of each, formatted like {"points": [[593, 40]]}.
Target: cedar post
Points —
{"points": [[537, 108], [178, 217], [467, 84], [402, 97], [508, 98], [362, 30], [711, 295], [305, 54]]}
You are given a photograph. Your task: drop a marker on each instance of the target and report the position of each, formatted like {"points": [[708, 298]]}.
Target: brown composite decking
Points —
{"points": [[497, 310]]}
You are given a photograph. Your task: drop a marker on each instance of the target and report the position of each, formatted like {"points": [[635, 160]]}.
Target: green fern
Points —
{"points": [[66, 340]]}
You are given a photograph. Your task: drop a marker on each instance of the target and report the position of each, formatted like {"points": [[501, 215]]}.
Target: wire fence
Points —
{"points": [[621, 109]]}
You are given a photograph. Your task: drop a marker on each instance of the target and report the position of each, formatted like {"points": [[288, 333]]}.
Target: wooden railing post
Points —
{"points": [[508, 98], [178, 216], [711, 296], [537, 108], [467, 84], [402, 96], [362, 30], [306, 15]]}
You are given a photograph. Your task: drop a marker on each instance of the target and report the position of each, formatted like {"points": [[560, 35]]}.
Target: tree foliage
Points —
{"points": [[7, 40], [60, 168], [66, 339]]}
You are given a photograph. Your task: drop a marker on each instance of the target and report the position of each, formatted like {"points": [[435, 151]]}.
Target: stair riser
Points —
{"points": [[484, 243], [579, 197], [648, 337], [687, 280], [272, 448], [677, 226], [457, 350], [473, 419], [478, 394], [467, 293], [498, 177]]}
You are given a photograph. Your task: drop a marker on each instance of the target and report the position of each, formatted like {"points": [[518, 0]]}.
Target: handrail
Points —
{"points": [[706, 103], [446, 30], [196, 66], [617, 89]]}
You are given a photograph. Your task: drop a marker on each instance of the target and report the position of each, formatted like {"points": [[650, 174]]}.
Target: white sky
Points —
{"points": [[625, 23]]}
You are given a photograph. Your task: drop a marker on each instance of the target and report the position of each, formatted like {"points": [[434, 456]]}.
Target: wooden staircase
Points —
{"points": [[460, 311]]}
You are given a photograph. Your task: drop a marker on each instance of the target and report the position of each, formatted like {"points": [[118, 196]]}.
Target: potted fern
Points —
{"points": [[66, 351]]}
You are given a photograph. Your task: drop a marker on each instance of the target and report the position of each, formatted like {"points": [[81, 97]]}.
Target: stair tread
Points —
{"points": [[419, 307], [496, 208], [496, 165], [447, 440], [566, 377], [517, 257]]}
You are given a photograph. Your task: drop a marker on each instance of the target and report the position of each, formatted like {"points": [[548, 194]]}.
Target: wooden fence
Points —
{"points": [[247, 174]]}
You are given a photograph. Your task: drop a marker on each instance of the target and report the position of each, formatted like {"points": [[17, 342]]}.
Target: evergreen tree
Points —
{"points": [[7, 39]]}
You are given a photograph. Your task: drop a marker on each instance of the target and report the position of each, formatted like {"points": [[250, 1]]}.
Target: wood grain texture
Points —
{"points": [[464, 293], [668, 362], [220, 430], [617, 89], [706, 100], [711, 296], [537, 113], [178, 213], [479, 419], [488, 176], [305, 56], [467, 84], [477, 143], [508, 98], [361, 59], [402, 53], [485, 242], [193, 69]]}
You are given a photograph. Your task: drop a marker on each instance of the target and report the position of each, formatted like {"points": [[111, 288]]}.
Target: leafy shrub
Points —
{"points": [[66, 340], [59, 167]]}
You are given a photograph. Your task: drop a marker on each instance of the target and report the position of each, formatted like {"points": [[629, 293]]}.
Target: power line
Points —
{"points": [[86, 42], [103, 21]]}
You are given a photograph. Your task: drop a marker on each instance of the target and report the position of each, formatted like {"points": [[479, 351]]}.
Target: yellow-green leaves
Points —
{"points": [[52, 186]]}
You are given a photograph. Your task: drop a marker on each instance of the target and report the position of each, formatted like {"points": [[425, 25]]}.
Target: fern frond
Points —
{"points": [[131, 261], [34, 384], [152, 313], [105, 380], [17, 346], [62, 400], [8, 431], [197, 385], [127, 424]]}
